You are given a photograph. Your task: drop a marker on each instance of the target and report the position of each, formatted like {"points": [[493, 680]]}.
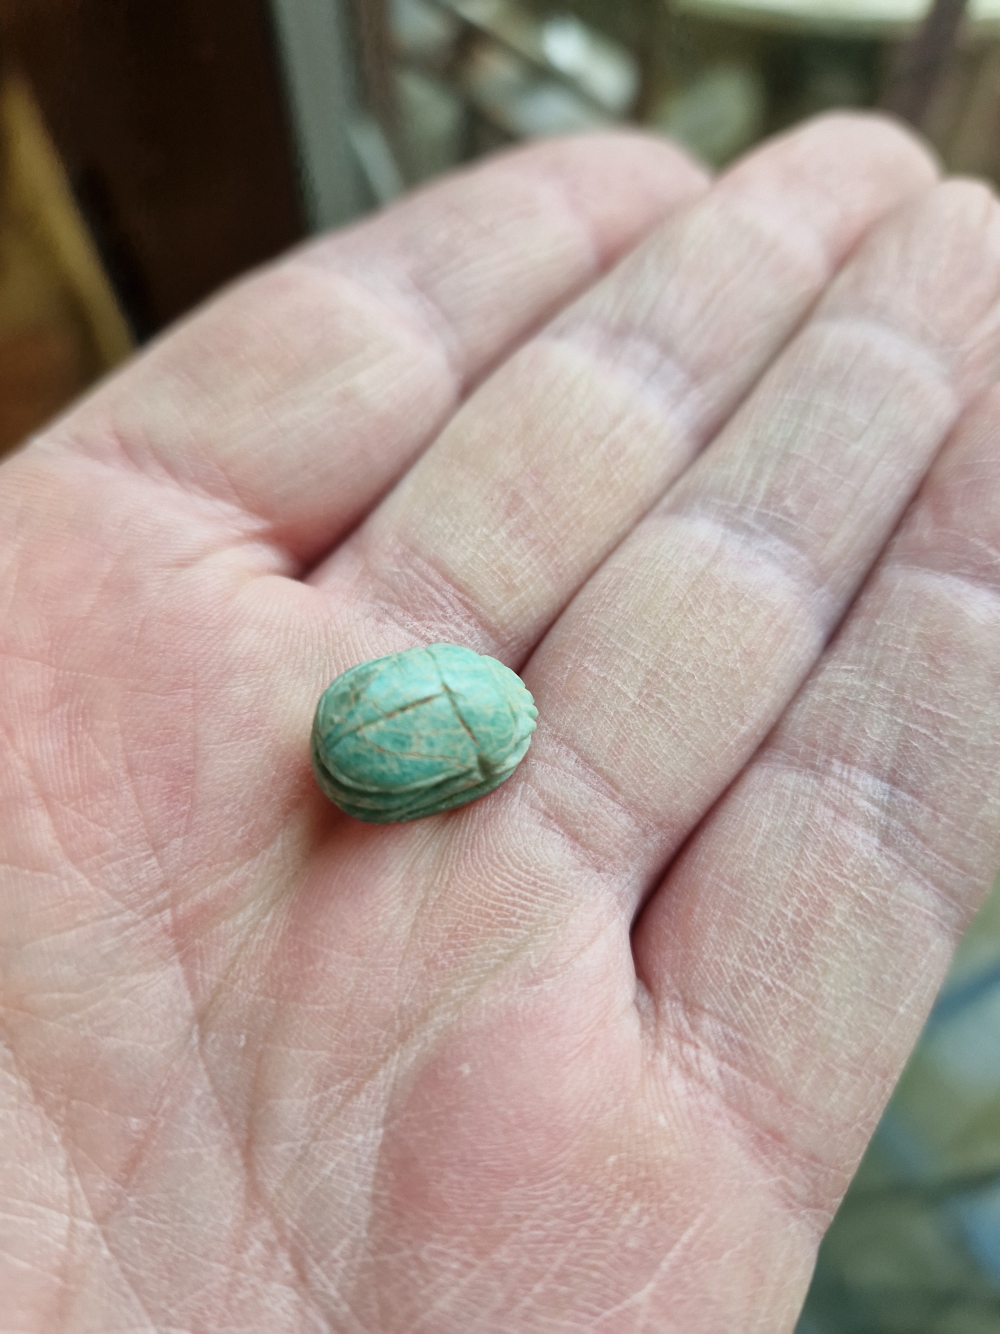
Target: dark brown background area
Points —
{"points": [[170, 120]]}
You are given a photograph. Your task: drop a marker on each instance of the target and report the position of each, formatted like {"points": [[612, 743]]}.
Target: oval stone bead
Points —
{"points": [[419, 732]]}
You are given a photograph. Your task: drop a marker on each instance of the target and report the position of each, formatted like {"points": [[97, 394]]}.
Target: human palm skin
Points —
{"points": [[715, 468]]}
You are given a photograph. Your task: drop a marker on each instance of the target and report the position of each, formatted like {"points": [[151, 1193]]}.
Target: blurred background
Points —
{"points": [[150, 150]]}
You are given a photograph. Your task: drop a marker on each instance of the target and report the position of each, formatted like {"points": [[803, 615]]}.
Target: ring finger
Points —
{"points": [[677, 658]]}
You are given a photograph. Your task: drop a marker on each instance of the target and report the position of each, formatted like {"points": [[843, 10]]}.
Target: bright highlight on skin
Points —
{"points": [[420, 732]]}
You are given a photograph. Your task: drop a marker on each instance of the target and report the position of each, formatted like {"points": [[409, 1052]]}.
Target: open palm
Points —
{"points": [[715, 468]]}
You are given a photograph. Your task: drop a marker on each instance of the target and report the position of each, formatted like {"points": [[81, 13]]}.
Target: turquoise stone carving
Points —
{"points": [[420, 732]]}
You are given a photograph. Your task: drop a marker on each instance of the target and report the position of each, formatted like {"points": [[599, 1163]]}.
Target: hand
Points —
{"points": [[601, 1051]]}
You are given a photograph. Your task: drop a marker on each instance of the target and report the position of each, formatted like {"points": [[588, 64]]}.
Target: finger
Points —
{"points": [[796, 947], [677, 658], [556, 457], [298, 396]]}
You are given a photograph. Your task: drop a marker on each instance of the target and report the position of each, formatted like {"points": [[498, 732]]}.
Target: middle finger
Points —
{"points": [[558, 455]]}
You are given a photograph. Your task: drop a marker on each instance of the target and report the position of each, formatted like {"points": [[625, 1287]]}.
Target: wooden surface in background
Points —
{"points": [[170, 120], [60, 324]]}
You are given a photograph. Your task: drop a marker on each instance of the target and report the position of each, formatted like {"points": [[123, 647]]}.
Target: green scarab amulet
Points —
{"points": [[420, 732]]}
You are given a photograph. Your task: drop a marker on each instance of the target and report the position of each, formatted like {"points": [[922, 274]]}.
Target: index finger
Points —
{"points": [[296, 398]]}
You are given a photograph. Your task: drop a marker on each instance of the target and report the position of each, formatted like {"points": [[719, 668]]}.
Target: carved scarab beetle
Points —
{"points": [[420, 732]]}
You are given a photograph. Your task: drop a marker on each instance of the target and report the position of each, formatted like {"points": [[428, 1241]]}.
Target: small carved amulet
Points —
{"points": [[420, 732]]}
